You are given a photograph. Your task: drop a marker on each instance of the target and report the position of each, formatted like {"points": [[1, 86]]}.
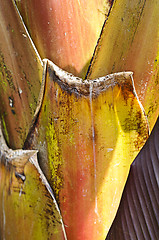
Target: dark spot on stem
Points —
{"points": [[13, 112]]}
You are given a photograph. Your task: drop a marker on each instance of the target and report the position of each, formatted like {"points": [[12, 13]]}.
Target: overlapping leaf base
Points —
{"points": [[20, 76], [87, 133], [28, 209]]}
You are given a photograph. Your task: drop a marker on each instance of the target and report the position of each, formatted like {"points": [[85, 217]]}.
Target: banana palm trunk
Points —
{"points": [[79, 107]]}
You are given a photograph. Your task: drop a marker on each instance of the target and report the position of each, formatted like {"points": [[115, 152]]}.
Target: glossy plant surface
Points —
{"points": [[86, 123]]}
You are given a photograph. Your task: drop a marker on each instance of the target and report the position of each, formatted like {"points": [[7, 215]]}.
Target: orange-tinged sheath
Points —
{"points": [[66, 32], [93, 130]]}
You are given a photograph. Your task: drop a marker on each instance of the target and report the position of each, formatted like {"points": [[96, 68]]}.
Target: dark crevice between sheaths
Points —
{"points": [[38, 108], [94, 53], [142, 9]]}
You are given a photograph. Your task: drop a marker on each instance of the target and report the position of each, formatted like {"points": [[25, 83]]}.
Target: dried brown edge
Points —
{"points": [[75, 85]]}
